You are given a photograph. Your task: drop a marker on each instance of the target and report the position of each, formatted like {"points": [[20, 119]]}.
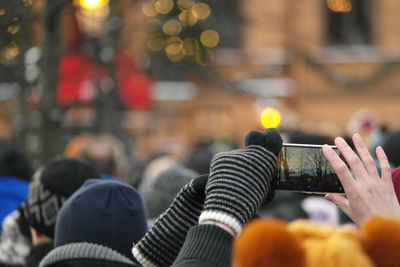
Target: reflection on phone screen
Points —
{"points": [[302, 168]]}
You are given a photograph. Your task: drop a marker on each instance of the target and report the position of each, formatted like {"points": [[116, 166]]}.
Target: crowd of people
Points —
{"points": [[214, 207]]}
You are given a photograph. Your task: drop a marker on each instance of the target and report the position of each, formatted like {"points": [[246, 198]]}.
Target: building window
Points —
{"points": [[348, 22]]}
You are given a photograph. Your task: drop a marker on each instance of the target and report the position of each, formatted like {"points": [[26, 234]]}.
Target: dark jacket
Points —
{"points": [[38, 253], [206, 246]]}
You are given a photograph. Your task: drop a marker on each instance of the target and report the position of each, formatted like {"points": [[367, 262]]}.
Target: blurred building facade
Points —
{"points": [[316, 61]]}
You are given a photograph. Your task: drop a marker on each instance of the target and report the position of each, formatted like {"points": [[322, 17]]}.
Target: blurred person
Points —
{"points": [[51, 186], [106, 153], [97, 226], [15, 174], [154, 168], [285, 206], [391, 145], [200, 156], [160, 192]]}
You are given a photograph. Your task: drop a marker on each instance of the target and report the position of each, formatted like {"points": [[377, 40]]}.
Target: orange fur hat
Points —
{"points": [[302, 243]]}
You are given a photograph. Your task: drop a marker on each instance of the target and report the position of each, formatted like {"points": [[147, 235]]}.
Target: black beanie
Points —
{"points": [[107, 213], [52, 185]]}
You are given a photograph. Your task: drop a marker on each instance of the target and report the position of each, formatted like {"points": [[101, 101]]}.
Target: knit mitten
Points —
{"points": [[162, 243], [239, 180]]}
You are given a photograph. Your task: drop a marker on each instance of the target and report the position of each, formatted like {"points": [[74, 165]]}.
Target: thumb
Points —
{"points": [[340, 201]]}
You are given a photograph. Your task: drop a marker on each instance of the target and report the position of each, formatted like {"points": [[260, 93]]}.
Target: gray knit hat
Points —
{"points": [[160, 193]]}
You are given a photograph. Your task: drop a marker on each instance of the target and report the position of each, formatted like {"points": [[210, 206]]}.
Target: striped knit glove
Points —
{"points": [[162, 243], [239, 180]]}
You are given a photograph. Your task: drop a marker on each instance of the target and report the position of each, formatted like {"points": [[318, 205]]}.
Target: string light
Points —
{"points": [[201, 10], [185, 4], [92, 4], [209, 38], [164, 6], [339, 5], [187, 18], [172, 27], [190, 46], [174, 45], [155, 43], [13, 29], [149, 9]]}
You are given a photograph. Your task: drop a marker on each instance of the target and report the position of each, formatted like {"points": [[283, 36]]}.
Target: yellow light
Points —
{"points": [[27, 2], [200, 57], [2, 12], [209, 38], [190, 46], [92, 4], [149, 9], [13, 29], [11, 51], [155, 43], [164, 6], [339, 5], [175, 57], [188, 18], [172, 27], [270, 118], [174, 46], [185, 4], [201, 10]]}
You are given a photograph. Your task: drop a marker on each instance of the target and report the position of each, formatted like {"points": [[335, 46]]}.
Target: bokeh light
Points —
{"points": [[185, 4], [201, 10], [209, 38], [174, 46], [11, 51], [270, 118], [175, 57], [164, 6], [339, 5], [190, 46], [188, 18], [149, 9], [172, 27], [13, 29], [155, 43], [92, 4], [2, 12]]}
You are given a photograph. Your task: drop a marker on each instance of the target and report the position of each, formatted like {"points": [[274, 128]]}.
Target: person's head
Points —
{"points": [[107, 213], [161, 191], [13, 162], [52, 185], [106, 153]]}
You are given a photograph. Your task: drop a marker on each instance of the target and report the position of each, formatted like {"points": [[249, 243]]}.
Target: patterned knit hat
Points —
{"points": [[51, 186]]}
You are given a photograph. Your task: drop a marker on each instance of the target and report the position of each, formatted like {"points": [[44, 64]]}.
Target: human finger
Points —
{"points": [[339, 166], [340, 201], [351, 158], [366, 157], [384, 163]]}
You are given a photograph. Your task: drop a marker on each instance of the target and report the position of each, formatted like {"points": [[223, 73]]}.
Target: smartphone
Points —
{"points": [[304, 168]]}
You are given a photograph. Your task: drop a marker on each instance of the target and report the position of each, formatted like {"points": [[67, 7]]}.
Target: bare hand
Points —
{"points": [[367, 192]]}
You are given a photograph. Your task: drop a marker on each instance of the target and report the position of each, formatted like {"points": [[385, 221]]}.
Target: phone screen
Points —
{"points": [[304, 168]]}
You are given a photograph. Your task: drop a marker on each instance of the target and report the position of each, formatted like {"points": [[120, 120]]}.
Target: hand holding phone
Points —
{"points": [[367, 191], [304, 168]]}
